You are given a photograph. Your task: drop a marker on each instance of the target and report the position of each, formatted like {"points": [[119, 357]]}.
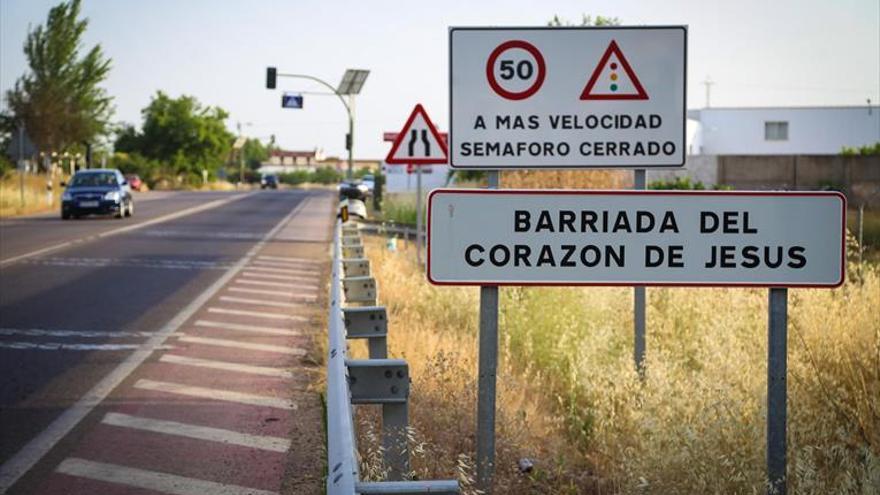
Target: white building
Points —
{"points": [[397, 180], [782, 130]]}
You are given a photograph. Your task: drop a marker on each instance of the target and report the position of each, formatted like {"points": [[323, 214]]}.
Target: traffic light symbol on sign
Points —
{"points": [[614, 79]]}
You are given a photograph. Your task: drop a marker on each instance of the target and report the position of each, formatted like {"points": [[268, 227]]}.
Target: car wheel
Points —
{"points": [[130, 209], [65, 215]]}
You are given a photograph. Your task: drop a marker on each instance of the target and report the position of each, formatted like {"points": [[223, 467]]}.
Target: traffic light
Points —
{"points": [[271, 77]]}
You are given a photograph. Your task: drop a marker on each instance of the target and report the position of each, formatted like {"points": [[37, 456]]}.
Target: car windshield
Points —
{"points": [[94, 179]]}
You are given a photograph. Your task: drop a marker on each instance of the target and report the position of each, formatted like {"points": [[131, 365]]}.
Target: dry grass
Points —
{"points": [[569, 398], [35, 198]]}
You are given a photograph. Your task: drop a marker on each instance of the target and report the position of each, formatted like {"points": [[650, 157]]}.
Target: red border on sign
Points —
{"points": [[578, 192], [490, 70], [419, 109], [613, 48]]}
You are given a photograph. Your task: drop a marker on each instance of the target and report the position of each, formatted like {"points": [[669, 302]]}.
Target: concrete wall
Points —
{"points": [[702, 168], [858, 176], [811, 130]]}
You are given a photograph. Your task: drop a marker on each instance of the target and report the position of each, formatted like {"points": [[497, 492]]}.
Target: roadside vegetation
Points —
{"points": [[570, 400]]}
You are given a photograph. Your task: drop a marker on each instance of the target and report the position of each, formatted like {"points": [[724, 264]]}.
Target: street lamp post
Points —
{"points": [[351, 84]]}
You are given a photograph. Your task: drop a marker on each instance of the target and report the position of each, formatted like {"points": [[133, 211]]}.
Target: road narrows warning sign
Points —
{"points": [[616, 79], [418, 142]]}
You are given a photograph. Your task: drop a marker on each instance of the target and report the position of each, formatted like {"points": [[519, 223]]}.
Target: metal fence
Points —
{"points": [[377, 380]]}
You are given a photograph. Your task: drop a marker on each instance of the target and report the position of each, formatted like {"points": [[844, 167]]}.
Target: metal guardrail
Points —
{"points": [[377, 380]]}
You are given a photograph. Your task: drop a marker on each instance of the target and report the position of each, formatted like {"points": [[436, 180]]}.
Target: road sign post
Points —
{"points": [[777, 403], [639, 300], [487, 376]]}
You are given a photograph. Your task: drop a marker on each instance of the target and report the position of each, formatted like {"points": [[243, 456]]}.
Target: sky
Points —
{"points": [[757, 53]]}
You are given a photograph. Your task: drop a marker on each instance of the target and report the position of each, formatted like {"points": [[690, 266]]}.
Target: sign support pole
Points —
{"points": [[488, 367], [419, 214], [777, 368], [639, 183]]}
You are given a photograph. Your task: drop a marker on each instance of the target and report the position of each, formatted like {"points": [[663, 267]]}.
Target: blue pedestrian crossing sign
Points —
{"points": [[292, 100]]}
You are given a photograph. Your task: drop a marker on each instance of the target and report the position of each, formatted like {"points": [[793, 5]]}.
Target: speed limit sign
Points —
{"points": [[567, 97], [515, 70]]}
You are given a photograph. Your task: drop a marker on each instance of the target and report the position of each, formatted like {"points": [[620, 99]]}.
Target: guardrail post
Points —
{"points": [[371, 323], [395, 421], [385, 382], [360, 289]]}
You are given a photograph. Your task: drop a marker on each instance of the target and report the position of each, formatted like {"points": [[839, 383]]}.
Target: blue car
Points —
{"points": [[97, 192]]}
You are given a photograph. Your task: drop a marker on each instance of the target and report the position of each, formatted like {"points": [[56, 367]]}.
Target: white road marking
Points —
{"points": [[257, 314], [39, 332], [248, 273], [275, 444], [19, 464], [260, 302], [246, 328], [268, 292], [216, 394], [208, 235], [235, 344], [227, 366], [150, 480], [277, 284], [287, 264], [284, 271], [127, 228], [131, 262], [64, 346], [290, 259]]}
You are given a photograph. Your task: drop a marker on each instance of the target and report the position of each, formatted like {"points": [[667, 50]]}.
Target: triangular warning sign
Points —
{"points": [[418, 142], [614, 79]]}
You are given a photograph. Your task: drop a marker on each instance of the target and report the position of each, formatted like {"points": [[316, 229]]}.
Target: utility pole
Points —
{"points": [[351, 84], [708, 83]]}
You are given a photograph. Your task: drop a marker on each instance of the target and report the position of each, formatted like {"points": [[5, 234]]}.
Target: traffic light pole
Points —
{"points": [[348, 110]]}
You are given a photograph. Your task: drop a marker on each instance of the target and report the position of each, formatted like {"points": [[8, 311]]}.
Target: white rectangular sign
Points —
{"points": [[567, 97], [532, 237]]}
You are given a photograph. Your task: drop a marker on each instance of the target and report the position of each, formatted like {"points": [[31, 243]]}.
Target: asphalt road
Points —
{"points": [[77, 298]]}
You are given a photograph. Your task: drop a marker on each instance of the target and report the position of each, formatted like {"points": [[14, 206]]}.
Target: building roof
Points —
{"points": [[294, 154]]}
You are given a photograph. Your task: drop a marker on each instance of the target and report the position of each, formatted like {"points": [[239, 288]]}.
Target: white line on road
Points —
{"points": [[275, 444], [127, 228], [39, 332], [150, 480], [19, 464], [64, 346], [267, 292], [216, 394], [257, 314], [235, 344], [309, 287], [226, 366], [248, 273], [290, 259], [285, 271], [246, 328], [260, 302], [287, 264]]}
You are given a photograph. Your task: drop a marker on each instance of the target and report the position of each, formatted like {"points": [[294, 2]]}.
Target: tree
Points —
{"points": [[586, 20], [255, 153], [60, 101], [181, 133]]}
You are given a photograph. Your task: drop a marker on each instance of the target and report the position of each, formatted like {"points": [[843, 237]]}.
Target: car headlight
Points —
{"points": [[112, 196], [66, 196]]}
